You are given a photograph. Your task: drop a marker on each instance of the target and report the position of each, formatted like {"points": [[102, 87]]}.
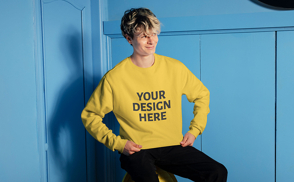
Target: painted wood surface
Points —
{"points": [[19, 152], [239, 70], [176, 8], [64, 91], [285, 106]]}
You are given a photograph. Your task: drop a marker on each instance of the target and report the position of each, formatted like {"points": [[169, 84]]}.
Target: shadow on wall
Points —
{"points": [[66, 133]]}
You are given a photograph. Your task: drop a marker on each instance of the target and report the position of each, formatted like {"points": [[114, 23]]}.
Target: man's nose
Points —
{"points": [[150, 39]]}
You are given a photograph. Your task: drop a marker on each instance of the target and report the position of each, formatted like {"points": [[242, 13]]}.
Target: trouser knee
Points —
{"points": [[220, 173]]}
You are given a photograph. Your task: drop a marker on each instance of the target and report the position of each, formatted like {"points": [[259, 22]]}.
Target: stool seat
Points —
{"points": [[163, 176]]}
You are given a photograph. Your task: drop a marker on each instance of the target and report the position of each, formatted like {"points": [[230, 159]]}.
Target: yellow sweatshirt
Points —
{"points": [[146, 103]]}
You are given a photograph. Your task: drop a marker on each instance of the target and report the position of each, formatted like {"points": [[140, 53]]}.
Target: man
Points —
{"points": [[144, 92]]}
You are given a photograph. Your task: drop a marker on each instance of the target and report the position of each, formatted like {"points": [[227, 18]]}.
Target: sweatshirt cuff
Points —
{"points": [[121, 145], [195, 132]]}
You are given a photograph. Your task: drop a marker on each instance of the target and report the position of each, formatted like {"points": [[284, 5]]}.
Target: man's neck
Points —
{"points": [[143, 61]]}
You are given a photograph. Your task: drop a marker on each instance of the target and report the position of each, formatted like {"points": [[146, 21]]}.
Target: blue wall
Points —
{"points": [[19, 155], [181, 8], [22, 123]]}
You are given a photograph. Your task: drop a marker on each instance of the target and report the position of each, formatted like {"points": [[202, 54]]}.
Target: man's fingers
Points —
{"points": [[190, 143], [135, 149], [184, 140], [131, 148], [138, 146], [187, 142]]}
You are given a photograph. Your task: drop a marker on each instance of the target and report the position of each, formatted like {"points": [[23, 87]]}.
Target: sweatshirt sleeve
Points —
{"points": [[197, 93], [99, 104]]}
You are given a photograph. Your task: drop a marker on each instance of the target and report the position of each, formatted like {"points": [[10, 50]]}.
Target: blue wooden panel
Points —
{"points": [[185, 49], [64, 92], [239, 70], [285, 106], [19, 154], [186, 8], [120, 49]]}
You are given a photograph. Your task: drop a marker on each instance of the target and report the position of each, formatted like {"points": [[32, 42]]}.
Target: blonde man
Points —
{"points": [[144, 92]]}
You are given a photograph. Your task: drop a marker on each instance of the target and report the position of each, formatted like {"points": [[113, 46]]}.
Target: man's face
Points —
{"points": [[144, 44]]}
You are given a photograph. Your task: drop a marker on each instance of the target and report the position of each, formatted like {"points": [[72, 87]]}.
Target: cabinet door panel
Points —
{"points": [[285, 106], [239, 71], [64, 91]]}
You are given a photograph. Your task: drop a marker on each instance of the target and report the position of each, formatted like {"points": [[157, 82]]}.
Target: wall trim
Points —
{"points": [[88, 85], [75, 4], [40, 86]]}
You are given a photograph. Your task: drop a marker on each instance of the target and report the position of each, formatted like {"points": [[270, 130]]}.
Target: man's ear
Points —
{"points": [[129, 39]]}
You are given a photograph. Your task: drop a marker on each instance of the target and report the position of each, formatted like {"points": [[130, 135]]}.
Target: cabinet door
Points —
{"points": [[64, 91], [239, 71], [285, 106]]}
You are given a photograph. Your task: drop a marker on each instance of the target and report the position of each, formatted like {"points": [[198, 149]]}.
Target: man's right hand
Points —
{"points": [[131, 148]]}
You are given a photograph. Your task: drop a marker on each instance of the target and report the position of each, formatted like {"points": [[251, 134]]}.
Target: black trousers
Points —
{"points": [[187, 162]]}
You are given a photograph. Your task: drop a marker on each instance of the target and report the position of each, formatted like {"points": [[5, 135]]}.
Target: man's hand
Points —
{"points": [[131, 148], [188, 140]]}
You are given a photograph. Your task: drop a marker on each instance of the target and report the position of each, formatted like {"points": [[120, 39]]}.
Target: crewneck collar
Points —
{"points": [[144, 69]]}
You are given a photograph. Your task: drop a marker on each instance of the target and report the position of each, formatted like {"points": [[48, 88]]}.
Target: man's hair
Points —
{"points": [[139, 20]]}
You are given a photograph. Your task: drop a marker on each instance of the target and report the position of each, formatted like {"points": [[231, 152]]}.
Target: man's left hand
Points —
{"points": [[188, 140]]}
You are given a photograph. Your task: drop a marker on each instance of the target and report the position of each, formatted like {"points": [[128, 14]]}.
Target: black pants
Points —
{"points": [[187, 162]]}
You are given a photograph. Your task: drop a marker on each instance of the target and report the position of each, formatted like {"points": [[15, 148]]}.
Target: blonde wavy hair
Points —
{"points": [[139, 20]]}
